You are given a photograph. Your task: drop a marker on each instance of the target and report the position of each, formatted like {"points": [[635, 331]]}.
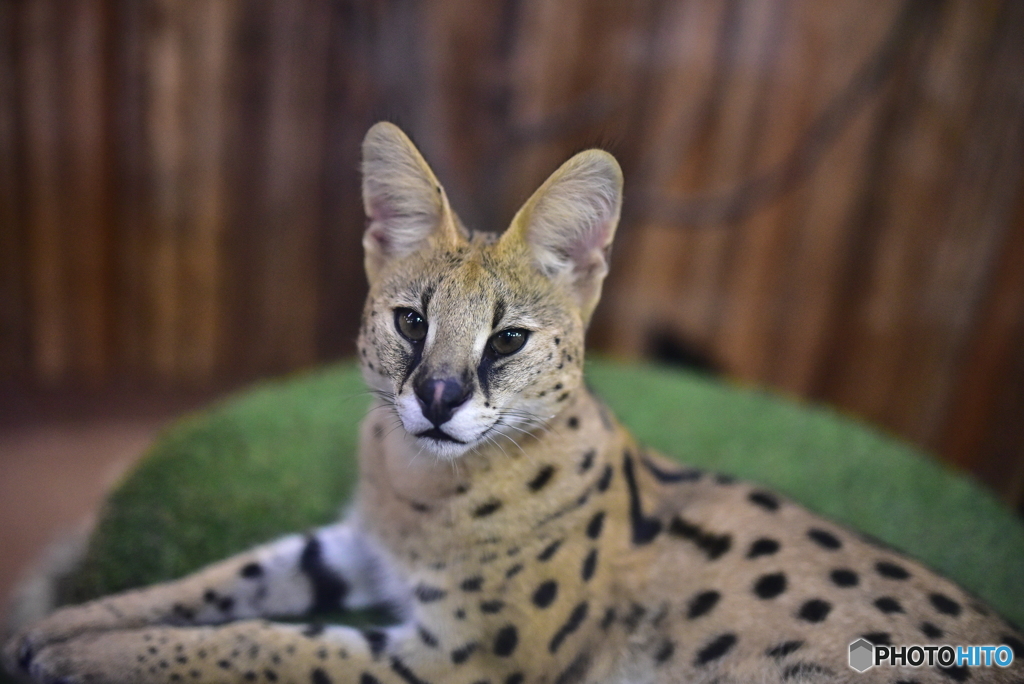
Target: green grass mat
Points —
{"points": [[279, 458]]}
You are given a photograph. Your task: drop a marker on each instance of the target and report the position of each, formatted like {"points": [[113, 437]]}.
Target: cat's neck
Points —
{"points": [[395, 460]]}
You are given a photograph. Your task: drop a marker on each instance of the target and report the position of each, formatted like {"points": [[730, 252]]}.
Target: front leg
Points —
{"points": [[331, 569], [247, 651]]}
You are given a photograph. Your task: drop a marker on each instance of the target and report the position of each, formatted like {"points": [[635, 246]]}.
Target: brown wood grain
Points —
{"points": [[820, 198]]}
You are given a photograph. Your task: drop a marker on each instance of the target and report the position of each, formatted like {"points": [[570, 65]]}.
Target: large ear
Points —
{"points": [[404, 202], [569, 223]]}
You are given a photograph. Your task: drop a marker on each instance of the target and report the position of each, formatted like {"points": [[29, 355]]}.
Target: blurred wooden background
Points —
{"points": [[822, 197]]}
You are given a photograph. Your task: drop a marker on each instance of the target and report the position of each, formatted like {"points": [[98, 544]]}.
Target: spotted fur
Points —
{"points": [[519, 533]]}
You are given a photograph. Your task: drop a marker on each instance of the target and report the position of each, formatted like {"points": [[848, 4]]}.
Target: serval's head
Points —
{"points": [[474, 337]]}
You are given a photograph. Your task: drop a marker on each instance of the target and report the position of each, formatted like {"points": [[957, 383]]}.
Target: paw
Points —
{"points": [[19, 653], [89, 659]]}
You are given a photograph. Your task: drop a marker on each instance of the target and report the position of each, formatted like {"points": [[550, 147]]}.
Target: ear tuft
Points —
{"points": [[404, 202], [570, 222]]}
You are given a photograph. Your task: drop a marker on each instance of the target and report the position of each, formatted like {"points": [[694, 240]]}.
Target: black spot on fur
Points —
{"points": [[784, 649], [1014, 643], [931, 631], [183, 612], [506, 641], [891, 570], [472, 583], [959, 674], [814, 610], [251, 571], [664, 652], [461, 654], [514, 678], [764, 500], [573, 423], [587, 461], [878, 638], [944, 604], [670, 476], [713, 545], [428, 594], [644, 529], [702, 603], [606, 478], [426, 636], [825, 540], [314, 629], [763, 547], [542, 478], [488, 508], [770, 586], [545, 594], [842, 577], [888, 605], [376, 639], [549, 550], [329, 590], [403, 671], [576, 670], [595, 525], [716, 649], [608, 619], [491, 607], [513, 571], [226, 604], [576, 618], [801, 670], [589, 565]]}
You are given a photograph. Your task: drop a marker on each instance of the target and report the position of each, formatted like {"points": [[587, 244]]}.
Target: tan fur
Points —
{"points": [[544, 545]]}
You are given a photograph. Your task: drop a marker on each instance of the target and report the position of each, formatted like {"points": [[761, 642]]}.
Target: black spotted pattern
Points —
{"points": [[713, 545], [545, 594], [764, 500], [770, 586], [944, 604], [843, 577], [714, 650], [702, 604], [541, 479], [763, 547], [814, 610], [824, 539], [888, 605], [576, 618], [595, 525], [891, 570], [589, 565], [506, 641]]}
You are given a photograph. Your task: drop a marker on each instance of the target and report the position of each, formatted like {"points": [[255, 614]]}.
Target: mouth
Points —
{"points": [[437, 434]]}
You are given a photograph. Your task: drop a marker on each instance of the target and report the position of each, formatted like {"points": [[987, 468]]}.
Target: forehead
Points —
{"points": [[472, 281]]}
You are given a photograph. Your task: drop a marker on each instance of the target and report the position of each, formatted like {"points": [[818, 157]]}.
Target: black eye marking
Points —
{"points": [[499, 313], [410, 325], [508, 342]]}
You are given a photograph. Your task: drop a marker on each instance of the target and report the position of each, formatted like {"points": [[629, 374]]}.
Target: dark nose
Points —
{"points": [[440, 397]]}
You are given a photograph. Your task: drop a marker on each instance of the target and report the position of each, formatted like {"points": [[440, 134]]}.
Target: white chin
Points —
{"points": [[442, 448]]}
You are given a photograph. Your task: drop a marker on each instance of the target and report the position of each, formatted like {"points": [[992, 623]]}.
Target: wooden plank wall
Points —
{"points": [[824, 198]]}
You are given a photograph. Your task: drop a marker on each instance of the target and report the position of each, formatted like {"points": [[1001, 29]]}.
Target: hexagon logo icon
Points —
{"points": [[862, 655]]}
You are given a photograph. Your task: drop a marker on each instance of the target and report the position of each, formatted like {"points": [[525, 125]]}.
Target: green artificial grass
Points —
{"points": [[280, 458]]}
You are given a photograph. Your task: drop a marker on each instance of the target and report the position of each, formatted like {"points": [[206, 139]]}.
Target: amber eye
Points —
{"points": [[410, 324], [508, 341]]}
